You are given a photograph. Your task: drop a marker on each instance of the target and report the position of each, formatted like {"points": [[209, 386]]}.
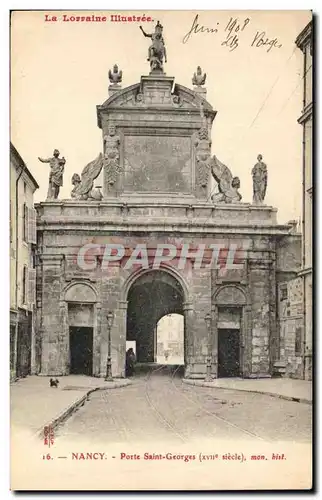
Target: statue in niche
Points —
{"points": [[259, 174], [198, 78], [157, 51], [112, 155], [115, 76], [203, 147], [57, 167], [228, 185], [83, 186]]}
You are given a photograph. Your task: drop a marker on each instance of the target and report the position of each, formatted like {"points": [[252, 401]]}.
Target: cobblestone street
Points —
{"points": [[159, 406]]}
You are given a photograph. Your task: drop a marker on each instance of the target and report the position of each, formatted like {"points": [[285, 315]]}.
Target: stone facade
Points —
{"points": [[305, 43], [22, 272], [157, 199], [290, 316]]}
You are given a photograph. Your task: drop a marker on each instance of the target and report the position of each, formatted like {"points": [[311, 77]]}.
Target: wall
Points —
{"points": [[290, 314], [22, 331]]}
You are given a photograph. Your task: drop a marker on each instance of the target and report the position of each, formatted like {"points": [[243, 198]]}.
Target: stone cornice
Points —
{"points": [[305, 272], [130, 202], [306, 114], [188, 226], [305, 36]]}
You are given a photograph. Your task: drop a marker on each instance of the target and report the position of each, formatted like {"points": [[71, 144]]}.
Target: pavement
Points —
{"points": [[34, 404], [283, 388], [160, 406]]}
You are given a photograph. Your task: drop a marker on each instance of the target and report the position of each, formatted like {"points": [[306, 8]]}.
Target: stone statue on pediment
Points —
{"points": [[198, 78], [228, 185], [57, 167], [83, 186], [157, 51], [115, 76], [259, 175]]}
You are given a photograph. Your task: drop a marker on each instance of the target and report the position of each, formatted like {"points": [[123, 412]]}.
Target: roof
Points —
{"points": [[305, 35], [15, 153]]}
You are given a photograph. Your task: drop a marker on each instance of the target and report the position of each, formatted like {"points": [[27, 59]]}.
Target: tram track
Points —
{"points": [[160, 416], [196, 403], [217, 417], [158, 408]]}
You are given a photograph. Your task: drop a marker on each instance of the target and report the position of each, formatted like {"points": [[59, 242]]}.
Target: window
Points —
{"points": [[24, 284], [298, 341], [11, 238], [25, 223], [283, 292], [24, 188]]}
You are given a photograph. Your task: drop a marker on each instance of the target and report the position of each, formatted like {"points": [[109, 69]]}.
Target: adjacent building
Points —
{"points": [[295, 294], [305, 43], [22, 266]]}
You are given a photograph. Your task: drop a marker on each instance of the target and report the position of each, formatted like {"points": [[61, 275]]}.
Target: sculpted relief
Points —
{"points": [[111, 155], [203, 147]]}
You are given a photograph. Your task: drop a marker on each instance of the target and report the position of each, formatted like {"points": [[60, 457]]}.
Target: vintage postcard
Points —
{"points": [[160, 250]]}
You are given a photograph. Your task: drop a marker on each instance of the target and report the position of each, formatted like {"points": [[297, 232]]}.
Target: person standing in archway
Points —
{"points": [[129, 363]]}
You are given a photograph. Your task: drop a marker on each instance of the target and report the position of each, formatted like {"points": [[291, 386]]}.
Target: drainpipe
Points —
{"points": [[17, 254], [17, 233]]}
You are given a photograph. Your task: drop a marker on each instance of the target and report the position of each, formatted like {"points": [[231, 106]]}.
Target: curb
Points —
{"points": [[272, 394], [77, 404]]}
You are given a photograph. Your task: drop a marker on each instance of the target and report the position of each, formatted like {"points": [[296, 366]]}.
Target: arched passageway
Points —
{"points": [[152, 296]]}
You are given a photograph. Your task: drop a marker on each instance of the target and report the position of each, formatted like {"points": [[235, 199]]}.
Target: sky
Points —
{"points": [[59, 74]]}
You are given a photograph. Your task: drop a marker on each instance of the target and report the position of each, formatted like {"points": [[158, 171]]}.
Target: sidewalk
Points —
{"points": [[34, 404], [285, 388]]}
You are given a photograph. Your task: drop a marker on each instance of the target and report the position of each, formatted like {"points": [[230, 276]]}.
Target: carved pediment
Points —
{"points": [[190, 98], [156, 92], [123, 97]]}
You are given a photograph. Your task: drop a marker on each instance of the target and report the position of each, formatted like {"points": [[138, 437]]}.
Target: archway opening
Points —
{"points": [[169, 338], [154, 295]]}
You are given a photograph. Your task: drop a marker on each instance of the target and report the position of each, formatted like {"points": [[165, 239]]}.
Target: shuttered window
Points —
{"points": [[31, 287], [25, 223], [32, 236]]}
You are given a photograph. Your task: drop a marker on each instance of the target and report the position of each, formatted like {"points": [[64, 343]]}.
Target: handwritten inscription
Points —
{"points": [[232, 34], [261, 40], [233, 28], [196, 28]]}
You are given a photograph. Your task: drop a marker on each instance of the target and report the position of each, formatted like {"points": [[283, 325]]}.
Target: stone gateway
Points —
{"points": [[156, 190]]}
